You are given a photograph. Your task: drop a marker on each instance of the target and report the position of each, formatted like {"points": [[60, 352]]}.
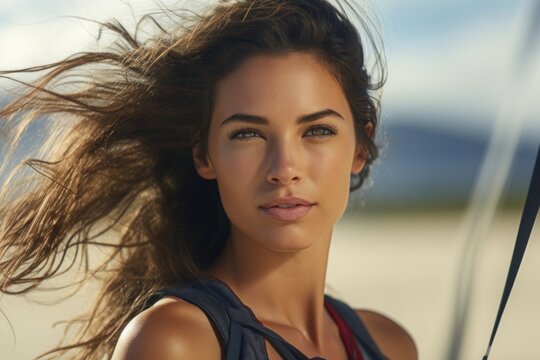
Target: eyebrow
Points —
{"points": [[255, 119]]}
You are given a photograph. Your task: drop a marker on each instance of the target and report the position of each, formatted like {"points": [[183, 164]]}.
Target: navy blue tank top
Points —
{"points": [[242, 336]]}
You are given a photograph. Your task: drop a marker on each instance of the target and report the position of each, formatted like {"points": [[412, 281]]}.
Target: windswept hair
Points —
{"points": [[123, 123]]}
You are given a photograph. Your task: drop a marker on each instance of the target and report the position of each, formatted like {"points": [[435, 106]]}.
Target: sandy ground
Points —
{"points": [[401, 265]]}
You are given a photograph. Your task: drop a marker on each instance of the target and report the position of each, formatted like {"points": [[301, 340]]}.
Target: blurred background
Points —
{"points": [[452, 67]]}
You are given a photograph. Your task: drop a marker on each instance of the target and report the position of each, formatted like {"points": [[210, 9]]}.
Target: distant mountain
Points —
{"points": [[430, 166]]}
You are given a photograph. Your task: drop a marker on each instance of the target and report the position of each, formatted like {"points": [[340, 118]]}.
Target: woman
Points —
{"points": [[224, 151]]}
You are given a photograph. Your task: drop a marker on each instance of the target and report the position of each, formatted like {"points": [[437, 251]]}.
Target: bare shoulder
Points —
{"points": [[393, 340], [171, 329]]}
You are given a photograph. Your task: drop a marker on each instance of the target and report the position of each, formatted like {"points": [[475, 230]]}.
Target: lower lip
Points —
{"points": [[288, 214]]}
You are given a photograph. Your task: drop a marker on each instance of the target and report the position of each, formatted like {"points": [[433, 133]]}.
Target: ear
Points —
{"points": [[360, 154], [204, 166], [359, 159]]}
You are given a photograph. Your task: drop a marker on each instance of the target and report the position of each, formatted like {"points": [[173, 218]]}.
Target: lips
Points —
{"points": [[287, 208], [284, 201]]}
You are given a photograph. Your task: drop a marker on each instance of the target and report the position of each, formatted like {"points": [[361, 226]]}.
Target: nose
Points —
{"points": [[285, 166]]}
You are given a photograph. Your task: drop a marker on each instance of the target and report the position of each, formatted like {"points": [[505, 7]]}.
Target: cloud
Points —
{"points": [[34, 33], [465, 73], [31, 34]]}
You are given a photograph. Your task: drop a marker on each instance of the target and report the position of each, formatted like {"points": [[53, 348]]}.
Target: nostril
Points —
{"points": [[285, 181]]}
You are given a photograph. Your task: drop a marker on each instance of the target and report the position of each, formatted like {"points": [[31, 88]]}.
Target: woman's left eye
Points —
{"points": [[321, 131]]}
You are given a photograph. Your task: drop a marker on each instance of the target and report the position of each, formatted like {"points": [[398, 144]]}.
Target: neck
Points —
{"points": [[282, 288]]}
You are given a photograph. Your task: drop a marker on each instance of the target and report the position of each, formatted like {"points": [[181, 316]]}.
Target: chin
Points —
{"points": [[287, 245], [288, 240]]}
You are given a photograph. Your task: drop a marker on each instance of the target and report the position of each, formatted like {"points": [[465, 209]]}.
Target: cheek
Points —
{"points": [[238, 164], [236, 175], [333, 163], [336, 180], [333, 178]]}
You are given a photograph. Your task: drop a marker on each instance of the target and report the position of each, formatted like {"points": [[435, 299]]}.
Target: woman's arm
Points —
{"points": [[174, 330], [393, 340]]}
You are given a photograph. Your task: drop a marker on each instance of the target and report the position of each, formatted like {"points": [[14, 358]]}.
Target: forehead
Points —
{"points": [[287, 85]]}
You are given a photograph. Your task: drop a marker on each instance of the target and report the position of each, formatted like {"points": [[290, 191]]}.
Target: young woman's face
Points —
{"points": [[266, 142]]}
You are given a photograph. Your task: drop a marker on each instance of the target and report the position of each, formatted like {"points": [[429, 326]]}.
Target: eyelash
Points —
{"points": [[331, 130]]}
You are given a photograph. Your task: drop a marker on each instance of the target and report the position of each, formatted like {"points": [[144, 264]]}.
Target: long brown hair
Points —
{"points": [[123, 123]]}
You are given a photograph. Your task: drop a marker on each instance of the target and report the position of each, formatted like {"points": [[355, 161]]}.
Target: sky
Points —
{"points": [[450, 63]]}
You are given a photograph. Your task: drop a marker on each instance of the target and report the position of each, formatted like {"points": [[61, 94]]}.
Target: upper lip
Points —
{"points": [[291, 200]]}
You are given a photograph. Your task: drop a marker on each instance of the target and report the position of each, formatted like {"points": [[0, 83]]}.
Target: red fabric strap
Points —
{"points": [[353, 350]]}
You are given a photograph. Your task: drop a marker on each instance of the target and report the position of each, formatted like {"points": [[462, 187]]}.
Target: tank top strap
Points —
{"points": [[241, 334], [358, 328], [208, 301]]}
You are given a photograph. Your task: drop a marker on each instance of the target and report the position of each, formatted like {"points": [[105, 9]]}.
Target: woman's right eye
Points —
{"points": [[242, 134]]}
